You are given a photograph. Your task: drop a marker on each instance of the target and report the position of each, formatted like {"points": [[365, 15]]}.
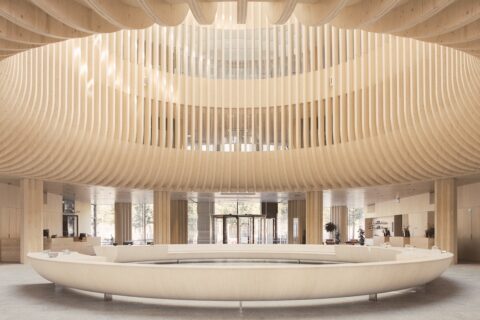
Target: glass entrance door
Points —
{"points": [[243, 229]]}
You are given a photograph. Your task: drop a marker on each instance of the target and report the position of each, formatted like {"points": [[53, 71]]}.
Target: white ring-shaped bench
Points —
{"points": [[354, 270]]}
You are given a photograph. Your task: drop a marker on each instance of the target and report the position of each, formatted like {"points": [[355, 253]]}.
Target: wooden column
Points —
{"points": [[31, 229], [340, 219], [446, 215], [161, 217], [314, 217], [179, 221], [123, 222], [296, 210]]}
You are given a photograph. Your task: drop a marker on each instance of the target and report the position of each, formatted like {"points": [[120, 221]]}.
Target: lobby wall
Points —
{"points": [[10, 211], [52, 214], [84, 212], [414, 210], [409, 205]]}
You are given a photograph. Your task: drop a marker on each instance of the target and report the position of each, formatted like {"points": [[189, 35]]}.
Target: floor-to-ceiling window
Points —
{"points": [[142, 223], [192, 222], [105, 223], [282, 224], [355, 222]]}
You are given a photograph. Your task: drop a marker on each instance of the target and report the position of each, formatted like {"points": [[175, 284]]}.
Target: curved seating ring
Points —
{"points": [[351, 271]]}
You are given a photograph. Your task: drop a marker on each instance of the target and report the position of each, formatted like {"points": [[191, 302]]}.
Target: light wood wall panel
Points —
{"points": [[179, 221], [296, 212], [340, 219], [123, 222], [31, 236], [161, 217], [446, 216], [314, 217]]}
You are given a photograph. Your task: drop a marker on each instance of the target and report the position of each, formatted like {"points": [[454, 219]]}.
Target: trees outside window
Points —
{"points": [[355, 222], [105, 223], [142, 223], [192, 222]]}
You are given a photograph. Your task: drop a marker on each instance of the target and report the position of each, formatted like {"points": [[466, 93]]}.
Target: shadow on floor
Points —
{"points": [[89, 304]]}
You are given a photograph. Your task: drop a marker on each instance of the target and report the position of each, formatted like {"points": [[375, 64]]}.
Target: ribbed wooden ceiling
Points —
{"points": [[26, 24], [239, 108]]}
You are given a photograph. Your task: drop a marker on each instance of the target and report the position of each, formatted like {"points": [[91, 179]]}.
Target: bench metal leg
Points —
{"points": [[107, 297], [372, 297]]}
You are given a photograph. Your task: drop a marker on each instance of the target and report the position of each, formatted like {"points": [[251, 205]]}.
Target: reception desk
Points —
{"points": [[10, 250], [212, 272], [422, 242], [399, 241], [379, 241], [73, 244]]}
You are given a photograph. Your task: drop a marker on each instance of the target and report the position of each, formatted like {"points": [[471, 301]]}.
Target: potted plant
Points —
{"points": [[430, 232], [406, 232], [386, 232], [361, 236], [386, 236], [330, 227]]}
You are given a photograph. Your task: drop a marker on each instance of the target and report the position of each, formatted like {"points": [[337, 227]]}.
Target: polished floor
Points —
{"points": [[25, 295]]}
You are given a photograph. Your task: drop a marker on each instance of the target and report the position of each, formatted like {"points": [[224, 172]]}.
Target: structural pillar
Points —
{"points": [[446, 215], [314, 217], [31, 233], [204, 211], [123, 222], [161, 217], [340, 219], [296, 221], [179, 221]]}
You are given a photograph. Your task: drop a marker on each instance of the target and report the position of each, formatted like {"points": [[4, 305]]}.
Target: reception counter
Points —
{"points": [[379, 241], [242, 272], [422, 242], [399, 241], [73, 244]]}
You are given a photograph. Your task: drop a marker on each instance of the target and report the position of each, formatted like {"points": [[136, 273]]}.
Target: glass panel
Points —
{"points": [[142, 223], [106, 223]]}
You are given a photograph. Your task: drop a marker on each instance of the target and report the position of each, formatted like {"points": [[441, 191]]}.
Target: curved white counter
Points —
{"points": [[354, 270]]}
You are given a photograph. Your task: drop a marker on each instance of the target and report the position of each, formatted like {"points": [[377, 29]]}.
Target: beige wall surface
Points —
{"points": [[414, 210], [84, 212], [10, 211], [52, 214], [408, 205]]}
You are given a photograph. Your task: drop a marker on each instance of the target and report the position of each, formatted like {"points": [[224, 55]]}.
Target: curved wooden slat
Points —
{"points": [[204, 12], [75, 15], [455, 16], [12, 32], [363, 13], [408, 15], [119, 14], [280, 11], [163, 12], [31, 18], [358, 109]]}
